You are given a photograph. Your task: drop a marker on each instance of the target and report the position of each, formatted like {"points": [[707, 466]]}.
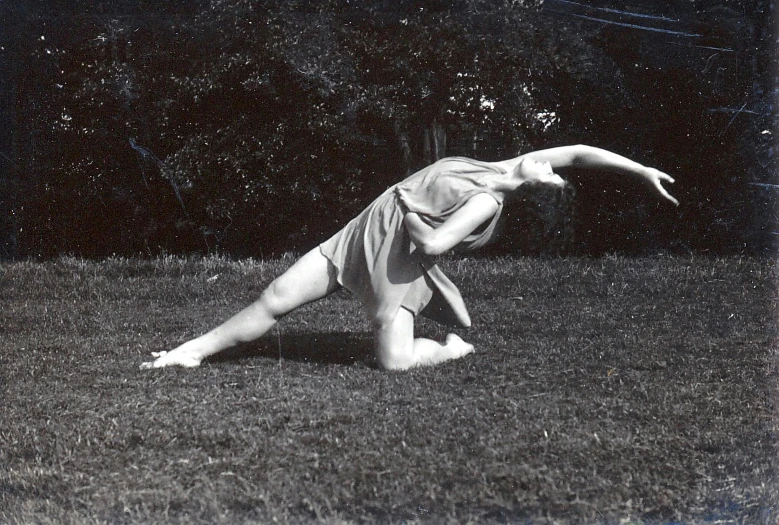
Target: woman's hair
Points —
{"points": [[540, 218]]}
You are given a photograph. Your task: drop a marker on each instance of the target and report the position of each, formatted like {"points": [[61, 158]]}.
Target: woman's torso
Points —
{"points": [[439, 190]]}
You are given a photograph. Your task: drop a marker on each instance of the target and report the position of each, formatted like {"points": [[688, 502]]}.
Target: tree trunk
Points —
{"points": [[405, 147], [427, 154], [438, 134], [434, 142]]}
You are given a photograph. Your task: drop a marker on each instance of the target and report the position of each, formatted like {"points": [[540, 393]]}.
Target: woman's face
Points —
{"points": [[532, 170]]}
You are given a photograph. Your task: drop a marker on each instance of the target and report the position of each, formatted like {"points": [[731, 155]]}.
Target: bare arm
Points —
{"points": [[435, 241], [581, 156]]}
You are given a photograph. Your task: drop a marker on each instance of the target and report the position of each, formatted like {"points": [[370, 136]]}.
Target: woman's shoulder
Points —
{"points": [[451, 176], [470, 164], [459, 178]]}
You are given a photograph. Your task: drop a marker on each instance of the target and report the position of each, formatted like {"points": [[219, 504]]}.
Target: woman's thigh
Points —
{"points": [[311, 277]]}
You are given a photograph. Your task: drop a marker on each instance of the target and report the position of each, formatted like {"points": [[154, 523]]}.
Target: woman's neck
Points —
{"points": [[503, 183], [508, 165]]}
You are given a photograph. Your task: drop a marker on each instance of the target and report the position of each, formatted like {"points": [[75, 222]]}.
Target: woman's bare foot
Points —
{"points": [[184, 356], [459, 347]]}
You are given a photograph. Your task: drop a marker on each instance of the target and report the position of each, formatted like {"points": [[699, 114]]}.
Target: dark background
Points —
{"points": [[252, 128]]}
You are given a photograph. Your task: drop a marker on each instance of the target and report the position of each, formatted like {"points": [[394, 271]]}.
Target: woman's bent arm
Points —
{"points": [[435, 241]]}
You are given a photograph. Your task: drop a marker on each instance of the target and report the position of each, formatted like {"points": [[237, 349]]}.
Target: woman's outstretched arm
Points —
{"points": [[581, 156]]}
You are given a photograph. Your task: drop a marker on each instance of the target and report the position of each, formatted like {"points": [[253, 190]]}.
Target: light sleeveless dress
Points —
{"points": [[377, 261]]}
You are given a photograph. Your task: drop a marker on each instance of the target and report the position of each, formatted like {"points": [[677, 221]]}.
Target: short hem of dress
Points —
{"points": [[340, 283], [337, 270]]}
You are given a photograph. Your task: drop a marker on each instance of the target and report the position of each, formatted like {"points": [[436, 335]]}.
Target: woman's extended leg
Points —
{"points": [[396, 348], [312, 277]]}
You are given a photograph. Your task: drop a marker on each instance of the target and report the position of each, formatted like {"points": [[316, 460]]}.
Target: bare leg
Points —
{"points": [[396, 348], [310, 278]]}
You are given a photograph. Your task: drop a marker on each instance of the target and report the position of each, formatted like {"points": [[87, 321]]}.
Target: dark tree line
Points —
{"points": [[253, 127]]}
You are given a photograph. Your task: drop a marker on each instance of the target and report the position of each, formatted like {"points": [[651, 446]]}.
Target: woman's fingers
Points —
{"points": [[165, 358], [656, 178], [665, 193]]}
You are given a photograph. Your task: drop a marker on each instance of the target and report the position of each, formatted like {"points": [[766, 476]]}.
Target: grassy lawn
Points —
{"points": [[607, 390]]}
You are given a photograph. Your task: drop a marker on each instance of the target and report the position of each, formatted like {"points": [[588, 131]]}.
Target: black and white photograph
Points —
{"points": [[389, 262]]}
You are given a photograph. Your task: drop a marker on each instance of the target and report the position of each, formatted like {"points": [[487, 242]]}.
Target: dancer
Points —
{"points": [[386, 255]]}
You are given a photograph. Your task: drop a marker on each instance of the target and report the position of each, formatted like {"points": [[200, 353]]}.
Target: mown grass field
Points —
{"points": [[607, 390]]}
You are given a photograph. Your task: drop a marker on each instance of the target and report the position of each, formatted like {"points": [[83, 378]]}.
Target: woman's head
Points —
{"points": [[530, 170], [541, 211]]}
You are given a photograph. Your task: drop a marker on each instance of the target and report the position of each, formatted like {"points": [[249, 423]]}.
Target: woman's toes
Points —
{"points": [[456, 343]]}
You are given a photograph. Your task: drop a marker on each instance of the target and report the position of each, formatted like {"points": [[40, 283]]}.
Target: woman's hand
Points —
{"points": [[654, 179]]}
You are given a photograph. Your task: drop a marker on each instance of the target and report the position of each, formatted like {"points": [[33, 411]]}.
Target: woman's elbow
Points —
{"points": [[432, 245], [580, 154]]}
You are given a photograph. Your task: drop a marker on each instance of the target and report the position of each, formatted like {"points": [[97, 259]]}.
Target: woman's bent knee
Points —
{"points": [[277, 299], [394, 341], [393, 359], [310, 278]]}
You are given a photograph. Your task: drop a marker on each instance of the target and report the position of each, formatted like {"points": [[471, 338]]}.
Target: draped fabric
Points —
{"points": [[377, 261]]}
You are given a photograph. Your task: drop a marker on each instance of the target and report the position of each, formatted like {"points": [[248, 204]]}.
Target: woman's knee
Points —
{"points": [[394, 358], [278, 298], [394, 342], [312, 277]]}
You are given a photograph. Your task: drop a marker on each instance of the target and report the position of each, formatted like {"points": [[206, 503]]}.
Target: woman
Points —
{"points": [[385, 256]]}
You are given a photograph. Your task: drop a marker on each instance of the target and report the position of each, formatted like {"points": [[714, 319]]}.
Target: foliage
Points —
{"points": [[250, 127]]}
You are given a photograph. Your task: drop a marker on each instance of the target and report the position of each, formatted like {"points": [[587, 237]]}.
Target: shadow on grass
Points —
{"points": [[342, 348]]}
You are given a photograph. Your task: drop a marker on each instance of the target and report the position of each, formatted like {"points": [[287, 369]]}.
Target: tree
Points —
{"points": [[257, 127]]}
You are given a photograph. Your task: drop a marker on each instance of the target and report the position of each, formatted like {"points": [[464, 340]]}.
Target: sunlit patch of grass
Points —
{"points": [[610, 390]]}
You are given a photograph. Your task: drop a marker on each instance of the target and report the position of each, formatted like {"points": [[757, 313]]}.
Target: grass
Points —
{"points": [[609, 390]]}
